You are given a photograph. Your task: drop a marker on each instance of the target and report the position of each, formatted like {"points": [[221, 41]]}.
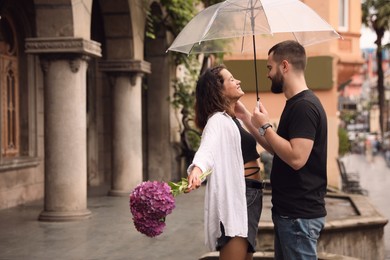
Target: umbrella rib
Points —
{"points": [[243, 33], [266, 18], [295, 37], [210, 22], [251, 9]]}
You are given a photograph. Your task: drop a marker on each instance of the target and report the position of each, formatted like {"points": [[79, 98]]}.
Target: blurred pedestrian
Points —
{"points": [[369, 150], [266, 158]]}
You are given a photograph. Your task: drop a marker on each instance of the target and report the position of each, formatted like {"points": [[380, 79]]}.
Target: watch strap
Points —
{"points": [[264, 128]]}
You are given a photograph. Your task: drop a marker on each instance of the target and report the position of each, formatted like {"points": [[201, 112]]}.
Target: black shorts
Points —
{"points": [[254, 200]]}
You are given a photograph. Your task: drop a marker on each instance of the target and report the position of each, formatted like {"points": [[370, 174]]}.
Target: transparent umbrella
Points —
{"points": [[234, 26]]}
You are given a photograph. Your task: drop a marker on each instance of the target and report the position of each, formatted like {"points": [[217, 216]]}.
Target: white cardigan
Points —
{"points": [[225, 201]]}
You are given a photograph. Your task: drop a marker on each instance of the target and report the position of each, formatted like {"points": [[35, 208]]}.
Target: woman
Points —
{"points": [[233, 199]]}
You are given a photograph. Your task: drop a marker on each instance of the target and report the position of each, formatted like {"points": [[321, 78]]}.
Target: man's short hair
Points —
{"points": [[292, 51]]}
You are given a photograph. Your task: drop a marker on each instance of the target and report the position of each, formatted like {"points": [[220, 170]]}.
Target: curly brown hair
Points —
{"points": [[209, 96]]}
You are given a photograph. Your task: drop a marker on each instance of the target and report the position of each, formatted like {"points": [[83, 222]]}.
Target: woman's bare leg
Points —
{"points": [[235, 249], [249, 256]]}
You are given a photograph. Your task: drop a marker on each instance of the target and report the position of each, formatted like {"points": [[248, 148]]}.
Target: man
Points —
{"points": [[299, 174]]}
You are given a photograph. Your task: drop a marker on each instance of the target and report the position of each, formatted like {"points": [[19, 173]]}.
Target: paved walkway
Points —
{"points": [[374, 176], [110, 234]]}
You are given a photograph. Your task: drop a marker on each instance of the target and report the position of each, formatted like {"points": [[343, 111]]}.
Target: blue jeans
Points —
{"points": [[296, 238], [254, 200]]}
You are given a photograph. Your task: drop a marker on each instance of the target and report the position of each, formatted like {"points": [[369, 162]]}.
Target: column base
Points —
{"points": [[118, 193], [55, 216]]}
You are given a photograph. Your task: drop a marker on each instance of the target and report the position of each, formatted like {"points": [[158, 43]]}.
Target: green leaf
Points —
{"points": [[178, 188]]}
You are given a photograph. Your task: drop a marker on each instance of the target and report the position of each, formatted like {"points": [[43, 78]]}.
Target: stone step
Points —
{"points": [[270, 256]]}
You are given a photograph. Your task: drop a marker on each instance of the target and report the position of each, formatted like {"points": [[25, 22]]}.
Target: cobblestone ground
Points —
{"points": [[374, 176]]}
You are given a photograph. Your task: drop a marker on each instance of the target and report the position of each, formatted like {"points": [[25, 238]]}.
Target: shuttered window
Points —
{"points": [[9, 90], [9, 106]]}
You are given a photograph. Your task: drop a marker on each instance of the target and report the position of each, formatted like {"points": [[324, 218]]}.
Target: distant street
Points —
{"points": [[374, 176]]}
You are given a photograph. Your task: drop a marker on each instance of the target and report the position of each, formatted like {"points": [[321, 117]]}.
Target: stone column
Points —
{"points": [[126, 79], [64, 63]]}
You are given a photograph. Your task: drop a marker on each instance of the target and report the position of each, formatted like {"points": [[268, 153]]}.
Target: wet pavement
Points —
{"points": [[110, 234], [374, 176]]}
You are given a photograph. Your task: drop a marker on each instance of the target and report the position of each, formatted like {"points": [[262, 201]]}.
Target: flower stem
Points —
{"points": [[178, 188]]}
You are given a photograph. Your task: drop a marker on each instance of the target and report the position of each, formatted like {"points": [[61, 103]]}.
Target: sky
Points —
{"points": [[368, 38]]}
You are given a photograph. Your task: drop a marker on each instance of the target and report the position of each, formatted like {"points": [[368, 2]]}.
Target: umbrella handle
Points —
{"points": [[255, 66], [254, 49]]}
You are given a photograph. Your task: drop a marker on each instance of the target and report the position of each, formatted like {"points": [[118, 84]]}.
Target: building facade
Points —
{"points": [[80, 106], [84, 98], [330, 64]]}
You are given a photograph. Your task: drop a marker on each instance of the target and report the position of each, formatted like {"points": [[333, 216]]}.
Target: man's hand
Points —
{"points": [[260, 116]]}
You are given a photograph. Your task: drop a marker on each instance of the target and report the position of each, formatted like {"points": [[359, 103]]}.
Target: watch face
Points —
{"points": [[262, 131], [264, 128]]}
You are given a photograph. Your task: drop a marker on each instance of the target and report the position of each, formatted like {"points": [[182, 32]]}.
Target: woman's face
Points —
{"points": [[232, 88]]}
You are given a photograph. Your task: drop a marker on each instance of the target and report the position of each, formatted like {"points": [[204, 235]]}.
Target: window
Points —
{"points": [[343, 15], [9, 91]]}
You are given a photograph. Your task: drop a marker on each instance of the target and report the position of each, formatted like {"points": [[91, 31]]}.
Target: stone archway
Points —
{"points": [[160, 155], [62, 43], [123, 68]]}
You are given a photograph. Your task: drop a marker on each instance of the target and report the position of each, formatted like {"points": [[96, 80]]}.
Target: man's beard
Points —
{"points": [[277, 84]]}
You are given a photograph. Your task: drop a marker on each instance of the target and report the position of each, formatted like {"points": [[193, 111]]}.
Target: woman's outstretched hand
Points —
{"points": [[194, 180]]}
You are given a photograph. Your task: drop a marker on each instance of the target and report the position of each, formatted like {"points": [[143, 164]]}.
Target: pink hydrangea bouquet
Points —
{"points": [[152, 201]]}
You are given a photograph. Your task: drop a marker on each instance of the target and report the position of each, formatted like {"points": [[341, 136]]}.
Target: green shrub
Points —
{"points": [[344, 143]]}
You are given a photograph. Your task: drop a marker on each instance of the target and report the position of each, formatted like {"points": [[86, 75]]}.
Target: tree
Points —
{"points": [[376, 15], [177, 13]]}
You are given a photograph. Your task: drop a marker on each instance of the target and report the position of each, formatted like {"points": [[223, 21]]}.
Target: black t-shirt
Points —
{"points": [[248, 144], [301, 193]]}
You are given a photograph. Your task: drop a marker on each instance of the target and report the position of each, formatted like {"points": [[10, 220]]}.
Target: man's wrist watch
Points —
{"points": [[264, 128]]}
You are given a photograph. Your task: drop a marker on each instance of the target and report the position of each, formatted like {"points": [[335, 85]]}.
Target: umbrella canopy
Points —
{"points": [[234, 25]]}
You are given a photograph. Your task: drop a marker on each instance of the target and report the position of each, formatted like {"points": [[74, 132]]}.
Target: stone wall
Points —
{"points": [[21, 185], [353, 228]]}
